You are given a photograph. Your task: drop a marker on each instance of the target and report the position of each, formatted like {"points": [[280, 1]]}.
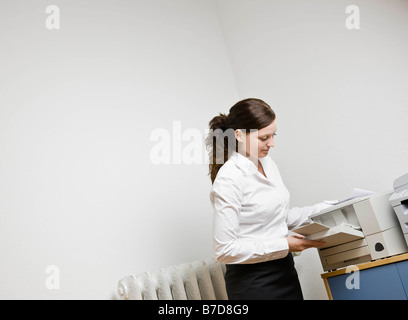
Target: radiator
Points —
{"points": [[199, 280]]}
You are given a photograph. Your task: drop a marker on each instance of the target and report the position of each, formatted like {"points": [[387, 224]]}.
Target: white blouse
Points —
{"points": [[251, 212]]}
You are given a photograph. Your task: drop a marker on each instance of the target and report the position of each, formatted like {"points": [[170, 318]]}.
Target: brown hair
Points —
{"points": [[248, 114]]}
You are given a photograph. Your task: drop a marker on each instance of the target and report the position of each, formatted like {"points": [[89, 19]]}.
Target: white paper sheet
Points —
{"points": [[357, 193]]}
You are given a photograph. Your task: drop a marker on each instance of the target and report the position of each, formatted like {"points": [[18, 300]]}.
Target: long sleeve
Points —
{"points": [[300, 216], [229, 247]]}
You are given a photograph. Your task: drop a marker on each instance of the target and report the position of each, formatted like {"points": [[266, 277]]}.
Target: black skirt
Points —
{"points": [[271, 280]]}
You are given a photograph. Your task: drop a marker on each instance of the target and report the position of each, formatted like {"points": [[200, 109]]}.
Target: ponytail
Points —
{"points": [[219, 122], [220, 143]]}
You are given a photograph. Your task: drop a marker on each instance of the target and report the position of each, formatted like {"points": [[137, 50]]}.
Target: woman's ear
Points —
{"points": [[239, 135]]}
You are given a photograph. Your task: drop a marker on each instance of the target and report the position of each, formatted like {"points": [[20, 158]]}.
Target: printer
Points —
{"points": [[356, 231], [399, 201]]}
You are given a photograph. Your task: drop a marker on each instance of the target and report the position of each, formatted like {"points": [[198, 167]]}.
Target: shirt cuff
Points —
{"points": [[276, 248]]}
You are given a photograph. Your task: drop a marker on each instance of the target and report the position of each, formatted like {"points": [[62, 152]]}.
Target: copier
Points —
{"points": [[399, 201], [357, 230]]}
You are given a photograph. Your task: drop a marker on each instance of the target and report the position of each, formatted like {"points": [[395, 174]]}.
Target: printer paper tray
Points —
{"points": [[344, 259], [350, 253], [332, 236]]}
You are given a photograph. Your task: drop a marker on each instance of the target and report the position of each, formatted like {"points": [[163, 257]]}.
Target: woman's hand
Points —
{"points": [[297, 243]]}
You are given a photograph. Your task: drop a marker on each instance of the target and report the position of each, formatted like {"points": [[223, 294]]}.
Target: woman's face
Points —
{"points": [[256, 144]]}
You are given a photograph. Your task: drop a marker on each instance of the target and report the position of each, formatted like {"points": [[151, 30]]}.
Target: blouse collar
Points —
{"points": [[243, 162]]}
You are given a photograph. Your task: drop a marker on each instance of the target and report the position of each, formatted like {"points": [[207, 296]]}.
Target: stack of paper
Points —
{"points": [[332, 236]]}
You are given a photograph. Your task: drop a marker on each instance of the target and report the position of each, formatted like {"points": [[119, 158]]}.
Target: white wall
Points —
{"points": [[340, 95], [78, 189]]}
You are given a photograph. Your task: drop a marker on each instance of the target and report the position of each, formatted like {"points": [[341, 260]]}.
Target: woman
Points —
{"points": [[251, 206]]}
